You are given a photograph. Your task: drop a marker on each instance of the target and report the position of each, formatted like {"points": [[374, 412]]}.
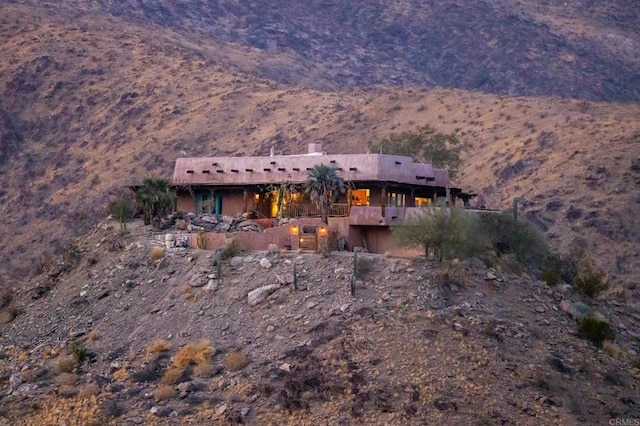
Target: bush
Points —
{"points": [[235, 361], [173, 376], [65, 364], [205, 371], [157, 347], [591, 283], [450, 232], [231, 248], [519, 237], [595, 330], [559, 267], [194, 354], [80, 353], [164, 392], [156, 253]]}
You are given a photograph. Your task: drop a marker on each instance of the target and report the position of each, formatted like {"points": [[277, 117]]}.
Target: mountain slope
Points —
{"points": [[482, 347], [581, 49], [101, 102]]}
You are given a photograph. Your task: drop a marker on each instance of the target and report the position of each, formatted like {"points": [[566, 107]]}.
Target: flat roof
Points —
{"points": [[225, 171]]}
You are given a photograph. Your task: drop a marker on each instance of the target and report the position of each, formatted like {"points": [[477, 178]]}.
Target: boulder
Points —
{"points": [[260, 294], [264, 262]]}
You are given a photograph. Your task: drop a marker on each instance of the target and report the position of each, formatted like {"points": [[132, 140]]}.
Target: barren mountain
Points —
{"points": [[582, 49], [98, 101], [95, 95]]}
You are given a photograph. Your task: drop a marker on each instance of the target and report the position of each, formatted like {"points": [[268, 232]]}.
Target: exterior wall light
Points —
{"points": [[323, 231], [294, 230]]}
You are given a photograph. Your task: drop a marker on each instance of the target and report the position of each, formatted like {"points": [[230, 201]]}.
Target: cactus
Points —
{"points": [[202, 240], [354, 274], [295, 276], [219, 264]]}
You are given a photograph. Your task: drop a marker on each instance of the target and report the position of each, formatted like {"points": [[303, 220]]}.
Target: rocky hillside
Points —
{"points": [[581, 49], [108, 335], [98, 101]]}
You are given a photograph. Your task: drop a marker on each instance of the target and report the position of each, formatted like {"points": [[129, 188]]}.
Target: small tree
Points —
{"points": [[425, 145], [155, 198], [448, 231], [323, 186], [121, 206]]}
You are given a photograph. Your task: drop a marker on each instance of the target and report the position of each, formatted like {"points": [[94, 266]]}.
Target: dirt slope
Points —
{"points": [[484, 347]]}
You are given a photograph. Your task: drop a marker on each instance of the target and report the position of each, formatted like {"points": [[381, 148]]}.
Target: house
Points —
{"points": [[382, 191]]}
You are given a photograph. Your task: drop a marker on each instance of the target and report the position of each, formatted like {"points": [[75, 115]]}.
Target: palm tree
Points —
{"points": [[323, 186], [155, 197]]}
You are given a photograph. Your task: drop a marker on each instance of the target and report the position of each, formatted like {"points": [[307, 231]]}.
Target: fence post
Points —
{"points": [[295, 276]]}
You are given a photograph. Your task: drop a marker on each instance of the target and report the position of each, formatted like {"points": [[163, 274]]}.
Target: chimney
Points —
{"points": [[314, 149]]}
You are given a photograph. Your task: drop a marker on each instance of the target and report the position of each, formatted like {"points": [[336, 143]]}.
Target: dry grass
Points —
{"points": [[65, 364], [156, 253], [90, 389], [93, 335], [235, 361], [71, 411], [164, 392], [120, 374], [614, 350], [189, 294], [158, 346], [172, 376], [194, 354]]}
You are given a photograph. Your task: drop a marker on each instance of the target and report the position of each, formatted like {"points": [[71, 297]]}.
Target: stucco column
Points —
{"points": [[244, 199], [384, 200]]}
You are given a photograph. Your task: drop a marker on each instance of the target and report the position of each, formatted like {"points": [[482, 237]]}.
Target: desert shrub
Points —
{"points": [[558, 267], [194, 354], [121, 205], [235, 361], [66, 379], [204, 370], [517, 236], [173, 375], [613, 350], [114, 243], [449, 232], [120, 374], [65, 364], [164, 392], [595, 330], [591, 283], [232, 247], [156, 253], [93, 335], [81, 353], [71, 253], [157, 347]]}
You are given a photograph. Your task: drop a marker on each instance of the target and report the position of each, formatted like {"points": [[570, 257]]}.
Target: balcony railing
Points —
{"points": [[306, 210]]}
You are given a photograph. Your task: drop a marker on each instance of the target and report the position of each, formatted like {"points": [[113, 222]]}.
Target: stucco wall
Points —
{"points": [[185, 203]]}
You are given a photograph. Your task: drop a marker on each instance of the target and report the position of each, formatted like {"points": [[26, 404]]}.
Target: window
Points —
{"points": [[395, 199]]}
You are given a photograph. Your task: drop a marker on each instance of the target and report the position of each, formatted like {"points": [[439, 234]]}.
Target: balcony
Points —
{"points": [[310, 210]]}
